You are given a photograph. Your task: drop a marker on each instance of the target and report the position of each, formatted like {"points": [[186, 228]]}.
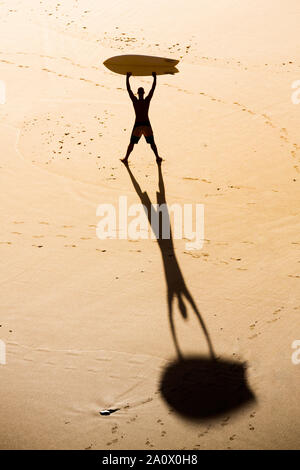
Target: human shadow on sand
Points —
{"points": [[197, 387]]}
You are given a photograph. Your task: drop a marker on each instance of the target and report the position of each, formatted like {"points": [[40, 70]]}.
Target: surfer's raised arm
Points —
{"points": [[153, 86], [128, 86]]}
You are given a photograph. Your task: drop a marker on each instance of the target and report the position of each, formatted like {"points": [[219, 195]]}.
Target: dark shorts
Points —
{"points": [[142, 128]]}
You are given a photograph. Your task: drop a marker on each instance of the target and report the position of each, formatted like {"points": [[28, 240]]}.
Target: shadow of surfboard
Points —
{"points": [[201, 388]]}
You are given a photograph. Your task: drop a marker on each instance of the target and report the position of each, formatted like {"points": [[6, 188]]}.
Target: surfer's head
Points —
{"points": [[141, 92]]}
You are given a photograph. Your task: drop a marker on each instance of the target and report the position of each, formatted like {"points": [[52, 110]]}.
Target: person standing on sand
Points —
{"points": [[142, 124]]}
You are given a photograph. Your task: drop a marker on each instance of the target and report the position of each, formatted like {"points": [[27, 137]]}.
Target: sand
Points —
{"points": [[85, 321]]}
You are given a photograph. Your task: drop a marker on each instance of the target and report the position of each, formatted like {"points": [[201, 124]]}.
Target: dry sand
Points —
{"points": [[85, 321]]}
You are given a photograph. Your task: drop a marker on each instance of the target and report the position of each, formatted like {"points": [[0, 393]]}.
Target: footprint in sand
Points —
{"points": [[148, 443], [225, 421]]}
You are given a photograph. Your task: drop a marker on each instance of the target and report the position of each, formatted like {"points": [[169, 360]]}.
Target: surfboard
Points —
{"points": [[141, 65]]}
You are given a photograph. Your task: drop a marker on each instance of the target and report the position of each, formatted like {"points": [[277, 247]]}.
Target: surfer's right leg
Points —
{"points": [[133, 140], [129, 150]]}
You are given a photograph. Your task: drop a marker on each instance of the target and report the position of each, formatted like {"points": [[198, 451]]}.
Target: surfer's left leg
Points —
{"points": [[150, 140], [154, 148]]}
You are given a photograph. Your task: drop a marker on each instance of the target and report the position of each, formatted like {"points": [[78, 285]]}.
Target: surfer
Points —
{"points": [[142, 124]]}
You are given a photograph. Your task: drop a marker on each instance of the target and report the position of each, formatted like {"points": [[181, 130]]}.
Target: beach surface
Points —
{"points": [[86, 321]]}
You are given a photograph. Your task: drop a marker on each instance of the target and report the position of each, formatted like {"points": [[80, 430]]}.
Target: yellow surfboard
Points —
{"points": [[141, 65]]}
